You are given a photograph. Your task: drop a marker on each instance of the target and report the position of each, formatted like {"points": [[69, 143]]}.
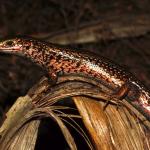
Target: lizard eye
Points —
{"points": [[9, 43], [27, 47]]}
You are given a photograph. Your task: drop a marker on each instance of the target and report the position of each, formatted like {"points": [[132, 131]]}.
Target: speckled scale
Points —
{"points": [[56, 59], [70, 61], [74, 62]]}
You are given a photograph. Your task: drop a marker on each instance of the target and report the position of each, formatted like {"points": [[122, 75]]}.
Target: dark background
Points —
{"points": [[40, 18]]}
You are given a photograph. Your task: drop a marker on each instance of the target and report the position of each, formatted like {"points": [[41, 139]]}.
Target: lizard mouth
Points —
{"points": [[10, 49]]}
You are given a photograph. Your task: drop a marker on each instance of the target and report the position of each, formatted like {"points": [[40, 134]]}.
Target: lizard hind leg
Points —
{"points": [[120, 94]]}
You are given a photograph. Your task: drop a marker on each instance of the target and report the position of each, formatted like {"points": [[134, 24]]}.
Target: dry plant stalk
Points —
{"points": [[113, 128], [107, 28], [109, 129]]}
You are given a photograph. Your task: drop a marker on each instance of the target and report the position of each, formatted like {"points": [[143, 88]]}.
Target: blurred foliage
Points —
{"points": [[36, 16]]}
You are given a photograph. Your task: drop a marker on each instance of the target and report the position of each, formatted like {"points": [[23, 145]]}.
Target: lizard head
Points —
{"points": [[16, 45], [28, 47]]}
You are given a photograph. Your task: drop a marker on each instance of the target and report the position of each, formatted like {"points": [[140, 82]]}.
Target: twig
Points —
{"points": [[37, 103]]}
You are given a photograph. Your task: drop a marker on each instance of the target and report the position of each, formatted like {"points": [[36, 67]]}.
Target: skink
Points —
{"points": [[57, 60]]}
